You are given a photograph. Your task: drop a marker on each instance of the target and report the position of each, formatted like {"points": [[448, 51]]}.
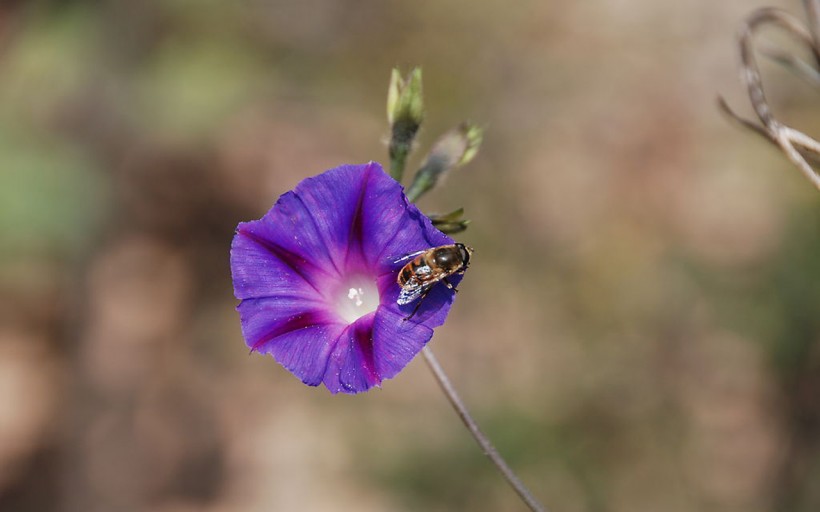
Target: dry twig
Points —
{"points": [[795, 144]]}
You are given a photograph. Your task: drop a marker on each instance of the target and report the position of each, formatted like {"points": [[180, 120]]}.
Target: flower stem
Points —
{"points": [[479, 436], [399, 150]]}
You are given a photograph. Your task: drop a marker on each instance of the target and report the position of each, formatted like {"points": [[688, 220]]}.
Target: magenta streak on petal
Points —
{"points": [[363, 335], [292, 260], [296, 322], [355, 239], [319, 231], [390, 264]]}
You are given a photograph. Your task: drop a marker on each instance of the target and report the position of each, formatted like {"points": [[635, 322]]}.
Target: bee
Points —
{"points": [[427, 268]]}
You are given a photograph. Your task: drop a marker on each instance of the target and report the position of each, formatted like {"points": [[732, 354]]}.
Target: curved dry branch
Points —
{"points": [[813, 15], [792, 142]]}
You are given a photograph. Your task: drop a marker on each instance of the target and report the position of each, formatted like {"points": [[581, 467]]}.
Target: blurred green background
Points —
{"points": [[639, 330]]}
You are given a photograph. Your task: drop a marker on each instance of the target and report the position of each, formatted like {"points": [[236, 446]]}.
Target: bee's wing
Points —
{"points": [[412, 291], [409, 256]]}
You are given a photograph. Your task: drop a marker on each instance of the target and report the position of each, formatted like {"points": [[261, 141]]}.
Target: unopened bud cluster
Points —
{"points": [[457, 147]]}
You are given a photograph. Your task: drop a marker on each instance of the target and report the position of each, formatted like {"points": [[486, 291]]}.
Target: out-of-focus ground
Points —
{"points": [[640, 330]]}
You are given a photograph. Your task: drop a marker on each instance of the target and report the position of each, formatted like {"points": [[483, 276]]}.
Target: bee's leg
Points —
{"points": [[418, 304], [449, 285]]}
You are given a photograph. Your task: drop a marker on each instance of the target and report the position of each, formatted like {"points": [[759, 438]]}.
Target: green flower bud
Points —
{"points": [[405, 112], [453, 149], [405, 103]]}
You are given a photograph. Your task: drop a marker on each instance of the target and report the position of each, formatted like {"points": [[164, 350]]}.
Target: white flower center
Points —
{"points": [[356, 297]]}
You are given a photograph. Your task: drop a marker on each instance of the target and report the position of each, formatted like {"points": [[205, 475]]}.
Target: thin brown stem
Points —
{"points": [[813, 14], [792, 142], [479, 436]]}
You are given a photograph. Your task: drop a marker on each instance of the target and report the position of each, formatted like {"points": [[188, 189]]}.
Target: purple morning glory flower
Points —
{"points": [[317, 279]]}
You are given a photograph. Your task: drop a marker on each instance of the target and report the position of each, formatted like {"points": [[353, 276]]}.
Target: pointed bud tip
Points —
{"points": [[473, 136], [405, 102]]}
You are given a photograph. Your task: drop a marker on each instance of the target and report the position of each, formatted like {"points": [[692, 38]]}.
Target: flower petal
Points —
{"points": [[411, 232], [261, 268], [434, 307], [298, 333], [370, 218], [352, 368], [396, 341], [334, 200]]}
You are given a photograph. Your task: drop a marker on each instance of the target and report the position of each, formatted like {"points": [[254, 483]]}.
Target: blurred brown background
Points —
{"points": [[639, 331]]}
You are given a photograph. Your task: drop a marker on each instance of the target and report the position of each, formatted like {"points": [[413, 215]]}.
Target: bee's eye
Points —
{"points": [[465, 255]]}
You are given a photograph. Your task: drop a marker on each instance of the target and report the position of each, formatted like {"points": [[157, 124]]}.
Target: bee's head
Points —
{"points": [[465, 252]]}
